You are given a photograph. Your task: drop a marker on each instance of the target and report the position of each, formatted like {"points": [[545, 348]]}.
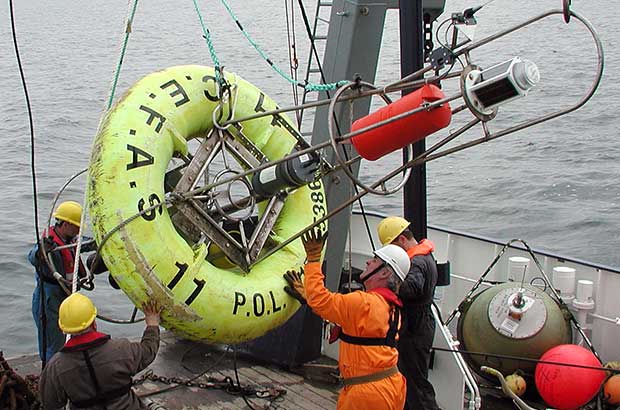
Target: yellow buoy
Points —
{"points": [[147, 256]]}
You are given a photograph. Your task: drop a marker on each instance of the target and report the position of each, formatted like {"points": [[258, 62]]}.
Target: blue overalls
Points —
{"points": [[54, 295]]}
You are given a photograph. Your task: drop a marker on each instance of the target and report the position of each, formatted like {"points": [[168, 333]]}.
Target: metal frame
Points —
{"points": [[201, 217]]}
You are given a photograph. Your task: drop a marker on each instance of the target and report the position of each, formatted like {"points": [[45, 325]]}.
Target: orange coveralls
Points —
{"points": [[361, 314]]}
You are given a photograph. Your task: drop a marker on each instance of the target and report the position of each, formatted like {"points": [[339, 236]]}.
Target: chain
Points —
{"points": [[226, 384]]}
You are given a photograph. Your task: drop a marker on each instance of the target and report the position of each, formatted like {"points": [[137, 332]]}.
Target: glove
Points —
{"points": [[296, 285], [313, 241]]}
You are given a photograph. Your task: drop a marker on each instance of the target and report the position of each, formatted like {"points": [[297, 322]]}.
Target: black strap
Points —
{"points": [[100, 399], [388, 340], [364, 341], [93, 377]]}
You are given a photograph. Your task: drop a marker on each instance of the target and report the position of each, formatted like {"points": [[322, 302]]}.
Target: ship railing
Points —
{"points": [[473, 400]]}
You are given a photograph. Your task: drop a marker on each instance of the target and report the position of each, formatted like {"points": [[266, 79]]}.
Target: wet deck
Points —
{"points": [[184, 359]]}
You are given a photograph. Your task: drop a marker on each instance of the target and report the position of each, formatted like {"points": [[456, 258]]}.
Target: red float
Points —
{"points": [[568, 387], [380, 141]]}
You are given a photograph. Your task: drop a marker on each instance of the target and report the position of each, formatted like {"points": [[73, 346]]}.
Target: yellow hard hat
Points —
{"points": [[76, 313], [390, 227], [69, 211]]}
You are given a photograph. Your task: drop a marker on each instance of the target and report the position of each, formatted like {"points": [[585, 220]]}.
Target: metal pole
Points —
{"points": [[411, 60]]}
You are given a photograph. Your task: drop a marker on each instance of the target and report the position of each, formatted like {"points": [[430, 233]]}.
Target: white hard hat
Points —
{"points": [[396, 257]]}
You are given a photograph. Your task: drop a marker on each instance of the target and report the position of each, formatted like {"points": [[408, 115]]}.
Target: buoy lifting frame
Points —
{"points": [[200, 215], [248, 251]]}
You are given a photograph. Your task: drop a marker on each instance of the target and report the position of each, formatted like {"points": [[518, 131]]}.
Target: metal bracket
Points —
{"points": [[263, 228], [441, 57], [203, 216]]}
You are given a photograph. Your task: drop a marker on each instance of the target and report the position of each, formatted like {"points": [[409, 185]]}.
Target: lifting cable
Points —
{"points": [[128, 30], [292, 52], [526, 359], [43, 316], [87, 282]]}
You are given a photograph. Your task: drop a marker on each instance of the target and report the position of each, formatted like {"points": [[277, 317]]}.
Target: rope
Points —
{"points": [[207, 36], [123, 48], [122, 54], [77, 260], [128, 30], [259, 50]]}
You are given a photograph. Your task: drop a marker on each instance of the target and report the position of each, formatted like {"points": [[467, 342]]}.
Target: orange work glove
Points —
{"points": [[296, 285], [313, 241]]}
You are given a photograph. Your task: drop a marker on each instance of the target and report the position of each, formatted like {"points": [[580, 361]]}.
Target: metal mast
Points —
{"points": [[352, 49], [412, 59]]}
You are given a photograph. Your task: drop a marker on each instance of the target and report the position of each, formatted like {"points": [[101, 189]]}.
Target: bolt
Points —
{"points": [[364, 11], [336, 179]]}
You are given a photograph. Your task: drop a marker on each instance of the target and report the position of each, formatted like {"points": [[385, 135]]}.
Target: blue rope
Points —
{"points": [[307, 87]]}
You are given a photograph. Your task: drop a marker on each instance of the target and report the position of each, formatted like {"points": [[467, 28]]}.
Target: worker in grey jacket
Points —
{"points": [[93, 371]]}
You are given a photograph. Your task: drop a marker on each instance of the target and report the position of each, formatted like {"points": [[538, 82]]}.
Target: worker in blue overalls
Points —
{"points": [[48, 294]]}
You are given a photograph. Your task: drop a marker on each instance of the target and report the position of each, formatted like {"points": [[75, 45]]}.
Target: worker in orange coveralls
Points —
{"points": [[369, 321]]}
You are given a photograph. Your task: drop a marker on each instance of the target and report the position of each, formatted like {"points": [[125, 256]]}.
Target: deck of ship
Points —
{"points": [[184, 359]]}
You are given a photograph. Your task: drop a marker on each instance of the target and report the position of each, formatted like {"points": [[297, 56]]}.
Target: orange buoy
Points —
{"points": [[375, 143], [567, 387], [611, 390]]}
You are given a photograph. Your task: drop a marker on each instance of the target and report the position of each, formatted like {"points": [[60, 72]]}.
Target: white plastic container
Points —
{"points": [[564, 282]]}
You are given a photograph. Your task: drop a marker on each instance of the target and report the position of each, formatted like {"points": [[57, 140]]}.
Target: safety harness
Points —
{"points": [[390, 337], [388, 340], [62, 259], [101, 398], [68, 254]]}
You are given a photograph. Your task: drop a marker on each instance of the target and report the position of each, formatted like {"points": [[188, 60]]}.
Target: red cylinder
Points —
{"points": [[565, 387], [380, 141]]}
